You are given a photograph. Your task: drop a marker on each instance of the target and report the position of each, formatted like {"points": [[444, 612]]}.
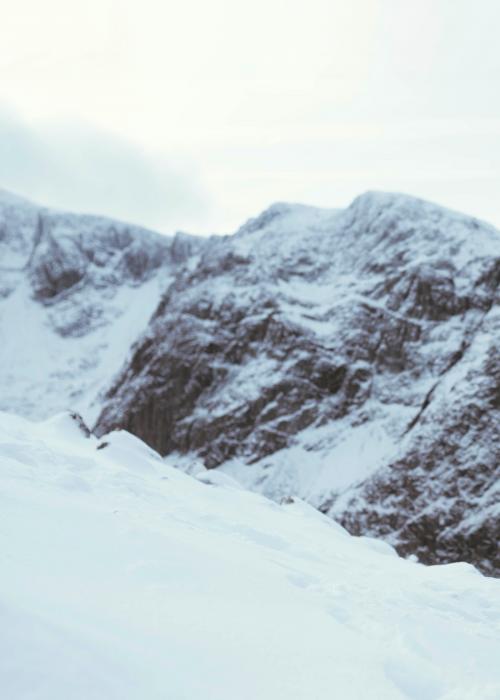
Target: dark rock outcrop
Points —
{"points": [[306, 326], [346, 357], [75, 292]]}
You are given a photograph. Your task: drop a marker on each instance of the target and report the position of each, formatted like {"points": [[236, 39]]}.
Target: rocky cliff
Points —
{"points": [[347, 357], [75, 293]]}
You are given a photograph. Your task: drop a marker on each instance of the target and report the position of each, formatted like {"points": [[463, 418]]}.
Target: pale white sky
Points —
{"points": [[198, 114]]}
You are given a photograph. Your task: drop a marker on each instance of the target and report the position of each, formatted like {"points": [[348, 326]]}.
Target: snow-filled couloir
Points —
{"points": [[75, 292]]}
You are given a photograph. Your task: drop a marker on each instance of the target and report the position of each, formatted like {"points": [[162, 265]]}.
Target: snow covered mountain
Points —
{"points": [[350, 358], [75, 292], [346, 357], [123, 578]]}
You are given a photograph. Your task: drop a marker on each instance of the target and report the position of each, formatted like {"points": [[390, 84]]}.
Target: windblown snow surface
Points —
{"points": [[125, 578]]}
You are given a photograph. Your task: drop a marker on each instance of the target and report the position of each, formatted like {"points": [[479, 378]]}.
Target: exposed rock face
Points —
{"points": [[75, 292], [441, 493], [347, 357], [70, 249]]}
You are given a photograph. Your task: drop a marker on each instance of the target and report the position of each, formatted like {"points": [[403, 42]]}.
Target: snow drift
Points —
{"points": [[123, 578]]}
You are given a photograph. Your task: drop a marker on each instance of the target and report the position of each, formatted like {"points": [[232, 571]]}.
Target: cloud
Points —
{"points": [[81, 169]]}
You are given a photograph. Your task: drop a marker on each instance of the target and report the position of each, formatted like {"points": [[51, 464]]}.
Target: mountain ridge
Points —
{"points": [[344, 356]]}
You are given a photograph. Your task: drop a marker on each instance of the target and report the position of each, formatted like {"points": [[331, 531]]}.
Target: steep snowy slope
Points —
{"points": [[75, 292], [347, 357], [123, 578], [350, 358]]}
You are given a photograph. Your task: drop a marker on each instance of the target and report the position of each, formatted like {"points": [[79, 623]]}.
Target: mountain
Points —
{"points": [[75, 292], [348, 357], [128, 579]]}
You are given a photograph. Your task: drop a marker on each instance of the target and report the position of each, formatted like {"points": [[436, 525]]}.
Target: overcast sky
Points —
{"points": [[198, 114]]}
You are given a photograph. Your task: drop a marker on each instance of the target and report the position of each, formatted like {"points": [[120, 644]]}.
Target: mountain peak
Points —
{"points": [[323, 353], [280, 215]]}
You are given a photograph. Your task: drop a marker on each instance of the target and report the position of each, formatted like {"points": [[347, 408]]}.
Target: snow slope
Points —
{"points": [[75, 292], [123, 578], [62, 372]]}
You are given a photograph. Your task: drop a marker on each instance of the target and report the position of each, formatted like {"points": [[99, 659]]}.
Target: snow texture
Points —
{"points": [[125, 579]]}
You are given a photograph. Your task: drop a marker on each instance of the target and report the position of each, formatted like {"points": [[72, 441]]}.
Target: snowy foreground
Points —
{"points": [[123, 578]]}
